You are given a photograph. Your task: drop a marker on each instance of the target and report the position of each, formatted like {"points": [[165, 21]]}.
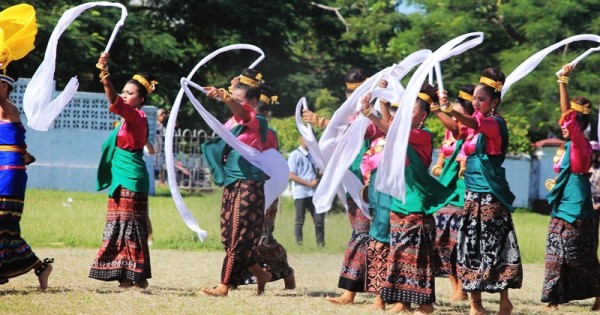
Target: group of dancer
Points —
{"points": [[460, 225]]}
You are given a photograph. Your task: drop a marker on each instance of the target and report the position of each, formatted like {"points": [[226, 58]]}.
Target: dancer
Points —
{"points": [[488, 257], [16, 256], [410, 263], [447, 168], [124, 255], [272, 256], [572, 267], [242, 210]]}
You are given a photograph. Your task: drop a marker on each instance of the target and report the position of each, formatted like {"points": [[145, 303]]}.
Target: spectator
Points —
{"points": [[159, 158], [304, 177]]}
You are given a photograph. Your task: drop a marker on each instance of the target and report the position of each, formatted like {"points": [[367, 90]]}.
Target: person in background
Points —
{"points": [[159, 157], [595, 175], [124, 255], [305, 178]]}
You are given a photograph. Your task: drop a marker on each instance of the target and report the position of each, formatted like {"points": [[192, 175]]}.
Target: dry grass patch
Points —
{"points": [[179, 276]]}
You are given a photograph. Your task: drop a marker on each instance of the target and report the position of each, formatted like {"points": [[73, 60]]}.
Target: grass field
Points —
{"points": [[68, 226]]}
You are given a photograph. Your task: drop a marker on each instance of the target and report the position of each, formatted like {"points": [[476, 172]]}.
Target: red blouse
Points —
{"points": [[133, 134]]}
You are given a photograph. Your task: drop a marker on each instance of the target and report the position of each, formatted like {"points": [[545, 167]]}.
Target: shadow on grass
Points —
{"points": [[34, 290]]}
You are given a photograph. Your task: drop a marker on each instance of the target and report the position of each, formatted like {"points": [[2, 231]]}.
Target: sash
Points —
{"points": [[571, 197], [485, 173], [449, 176]]}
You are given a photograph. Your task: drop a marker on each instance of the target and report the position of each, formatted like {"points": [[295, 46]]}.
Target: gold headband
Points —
{"points": [[425, 97], [250, 81], [395, 105], [269, 100], [353, 85], [581, 108], [497, 85], [150, 86], [465, 96]]}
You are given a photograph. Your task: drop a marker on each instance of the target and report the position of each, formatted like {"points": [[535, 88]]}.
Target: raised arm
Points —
{"points": [[109, 89], [236, 108], [367, 111], [563, 80], [446, 120]]}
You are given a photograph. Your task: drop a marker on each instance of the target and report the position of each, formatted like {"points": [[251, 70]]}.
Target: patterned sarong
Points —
{"points": [[272, 256], [447, 222], [124, 254], [572, 267], [488, 254], [242, 216], [352, 276], [410, 275], [377, 259]]}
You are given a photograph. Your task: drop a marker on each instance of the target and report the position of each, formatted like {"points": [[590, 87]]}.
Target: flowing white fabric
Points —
{"points": [[37, 104], [312, 144], [532, 62], [270, 161], [393, 157], [351, 141], [185, 213]]}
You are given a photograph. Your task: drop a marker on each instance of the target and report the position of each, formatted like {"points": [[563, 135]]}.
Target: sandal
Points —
{"points": [[39, 269]]}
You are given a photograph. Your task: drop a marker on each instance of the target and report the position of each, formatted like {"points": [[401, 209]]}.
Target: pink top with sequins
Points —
{"points": [[488, 126], [581, 149], [133, 133], [251, 134]]}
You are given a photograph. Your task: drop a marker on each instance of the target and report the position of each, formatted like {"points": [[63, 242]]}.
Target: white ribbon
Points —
{"points": [[187, 217], [37, 104], [270, 161], [393, 157], [349, 144], [531, 63]]}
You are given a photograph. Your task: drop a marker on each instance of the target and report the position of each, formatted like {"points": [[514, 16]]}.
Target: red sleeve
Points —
{"points": [[581, 149], [420, 141]]}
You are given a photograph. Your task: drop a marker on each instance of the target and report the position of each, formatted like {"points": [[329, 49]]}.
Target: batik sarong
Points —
{"points": [[352, 276], [447, 222]]}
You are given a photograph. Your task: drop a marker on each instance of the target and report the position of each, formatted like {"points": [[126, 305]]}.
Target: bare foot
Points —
{"points": [[476, 308], [142, 284], [290, 282], [346, 298], [378, 304], [261, 282], [505, 309], [424, 309], [43, 277], [596, 306], [125, 284], [550, 307], [221, 290], [401, 307], [459, 296]]}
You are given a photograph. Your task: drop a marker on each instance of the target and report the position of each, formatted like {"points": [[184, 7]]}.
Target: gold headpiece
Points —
{"points": [[465, 96], [584, 109], [496, 85], [395, 105], [425, 97], [150, 86], [353, 85], [269, 100], [250, 81]]}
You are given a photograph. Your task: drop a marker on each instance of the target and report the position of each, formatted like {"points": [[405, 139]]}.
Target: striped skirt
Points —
{"points": [[124, 254], [377, 261], [352, 275], [242, 217], [16, 257], [447, 222], [572, 267], [410, 275], [272, 256], [488, 254]]}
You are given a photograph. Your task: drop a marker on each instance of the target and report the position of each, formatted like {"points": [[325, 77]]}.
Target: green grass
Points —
{"points": [[49, 221]]}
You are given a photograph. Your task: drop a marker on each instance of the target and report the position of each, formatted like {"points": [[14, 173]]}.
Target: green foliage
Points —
{"points": [[287, 133]]}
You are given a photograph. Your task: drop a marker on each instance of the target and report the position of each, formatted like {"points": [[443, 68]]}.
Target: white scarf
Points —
{"points": [[37, 104], [393, 156], [170, 131]]}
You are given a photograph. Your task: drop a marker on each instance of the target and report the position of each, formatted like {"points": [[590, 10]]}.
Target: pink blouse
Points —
{"points": [[133, 134], [581, 149], [371, 158], [489, 127], [251, 134]]}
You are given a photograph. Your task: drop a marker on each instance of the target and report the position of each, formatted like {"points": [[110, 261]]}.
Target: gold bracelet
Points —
{"points": [[437, 166], [446, 109], [103, 75], [367, 112], [433, 107], [315, 119], [563, 79], [226, 96]]}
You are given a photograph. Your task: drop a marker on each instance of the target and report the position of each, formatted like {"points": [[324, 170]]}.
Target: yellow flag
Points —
{"points": [[18, 28]]}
